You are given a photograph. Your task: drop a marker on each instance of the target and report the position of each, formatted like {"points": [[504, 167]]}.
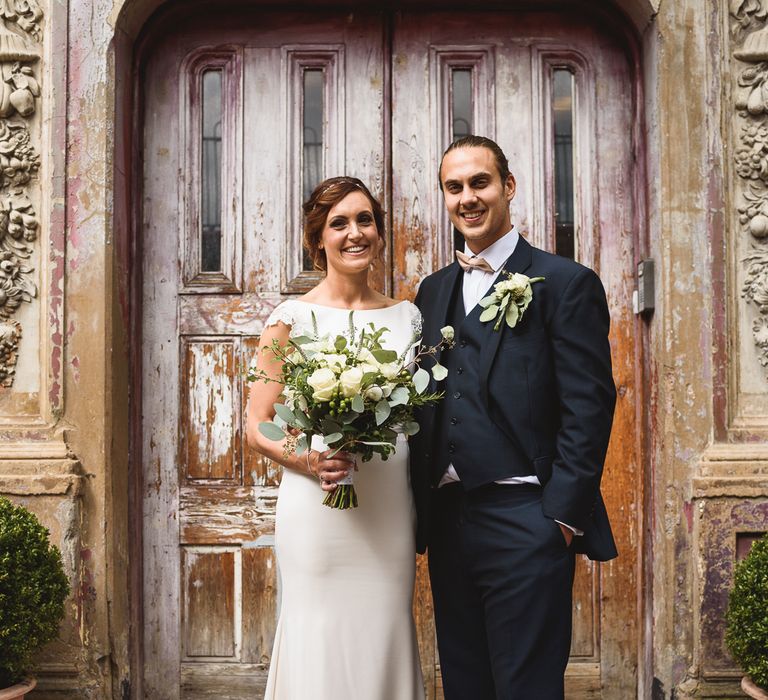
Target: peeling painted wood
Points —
{"points": [[209, 587]]}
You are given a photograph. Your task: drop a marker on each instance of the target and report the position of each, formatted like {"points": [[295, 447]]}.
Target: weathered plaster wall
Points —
{"points": [[680, 332]]}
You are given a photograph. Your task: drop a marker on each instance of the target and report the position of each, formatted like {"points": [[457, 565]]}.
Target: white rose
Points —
{"points": [[367, 368], [333, 360], [390, 369], [374, 393], [290, 397], [387, 389], [323, 381], [350, 380], [447, 332], [366, 356]]}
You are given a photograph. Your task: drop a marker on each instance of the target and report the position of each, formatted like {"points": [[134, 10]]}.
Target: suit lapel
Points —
{"points": [[519, 261], [440, 311]]}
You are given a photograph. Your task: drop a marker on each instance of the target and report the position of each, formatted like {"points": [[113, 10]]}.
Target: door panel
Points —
{"points": [[230, 145], [223, 163]]}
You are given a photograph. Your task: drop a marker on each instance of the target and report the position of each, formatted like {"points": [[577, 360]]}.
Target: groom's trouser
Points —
{"points": [[502, 577]]}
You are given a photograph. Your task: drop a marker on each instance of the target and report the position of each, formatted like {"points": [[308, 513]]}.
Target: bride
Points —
{"points": [[345, 630]]}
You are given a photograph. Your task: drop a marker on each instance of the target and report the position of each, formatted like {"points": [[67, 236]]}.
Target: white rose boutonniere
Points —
{"points": [[509, 300]]}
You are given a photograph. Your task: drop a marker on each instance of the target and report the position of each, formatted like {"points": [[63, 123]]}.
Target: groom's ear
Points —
{"points": [[510, 187]]}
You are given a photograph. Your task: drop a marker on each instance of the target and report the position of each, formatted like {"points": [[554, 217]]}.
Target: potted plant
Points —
{"points": [[33, 587], [747, 620]]}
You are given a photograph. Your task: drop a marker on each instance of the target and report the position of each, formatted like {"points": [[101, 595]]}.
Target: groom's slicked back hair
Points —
{"points": [[473, 141]]}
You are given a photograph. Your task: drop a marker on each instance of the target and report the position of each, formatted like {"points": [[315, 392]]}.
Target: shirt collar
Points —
{"points": [[497, 253]]}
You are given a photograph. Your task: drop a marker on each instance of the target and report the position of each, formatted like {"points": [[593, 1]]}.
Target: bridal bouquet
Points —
{"points": [[353, 391]]}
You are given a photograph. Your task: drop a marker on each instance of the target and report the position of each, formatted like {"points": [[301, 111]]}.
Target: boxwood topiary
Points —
{"points": [[747, 616], [33, 588]]}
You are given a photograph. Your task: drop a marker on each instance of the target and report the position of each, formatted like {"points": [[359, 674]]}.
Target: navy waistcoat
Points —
{"points": [[467, 437]]}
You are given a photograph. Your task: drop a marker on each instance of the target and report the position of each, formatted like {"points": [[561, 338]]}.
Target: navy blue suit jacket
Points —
{"points": [[548, 385]]}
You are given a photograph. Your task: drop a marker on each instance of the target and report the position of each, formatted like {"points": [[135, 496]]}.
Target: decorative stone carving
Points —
{"points": [[10, 335], [18, 90], [750, 34], [19, 163], [24, 14], [746, 15]]}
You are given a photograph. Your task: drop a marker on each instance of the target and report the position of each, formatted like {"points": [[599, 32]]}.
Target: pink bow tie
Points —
{"points": [[472, 262]]}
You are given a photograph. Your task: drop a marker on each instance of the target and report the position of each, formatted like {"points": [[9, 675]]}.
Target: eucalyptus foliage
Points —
{"points": [[747, 617], [33, 588]]}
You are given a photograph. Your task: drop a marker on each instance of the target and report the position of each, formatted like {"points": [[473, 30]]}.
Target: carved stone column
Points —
{"points": [[20, 37]]}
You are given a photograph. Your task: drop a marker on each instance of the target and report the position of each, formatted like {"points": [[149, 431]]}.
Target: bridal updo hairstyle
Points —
{"points": [[324, 197]]}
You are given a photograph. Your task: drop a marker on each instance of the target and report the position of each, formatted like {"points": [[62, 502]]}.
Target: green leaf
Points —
{"points": [[382, 411], [487, 301], [301, 445], [329, 426], [302, 339], [411, 428], [358, 405], [303, 420], [489, 313], [512, 315], [421, 380], [341, 343], [284, 412], [385, 355], [399, 396], [271, 431], [439, 372], [333, 437]]}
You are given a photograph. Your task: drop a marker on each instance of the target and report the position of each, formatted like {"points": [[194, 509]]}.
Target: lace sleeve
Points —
{"points": [[282, 313], [416, 321]]}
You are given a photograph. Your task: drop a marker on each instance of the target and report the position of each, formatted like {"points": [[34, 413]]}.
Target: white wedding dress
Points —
{"points": [[346, 630]]}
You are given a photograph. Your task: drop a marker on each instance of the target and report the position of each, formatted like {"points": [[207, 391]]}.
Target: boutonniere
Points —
{"points": [[509, 300]]}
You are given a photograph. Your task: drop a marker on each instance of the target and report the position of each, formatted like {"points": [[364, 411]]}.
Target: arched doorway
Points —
{"points": [[239, 111]]}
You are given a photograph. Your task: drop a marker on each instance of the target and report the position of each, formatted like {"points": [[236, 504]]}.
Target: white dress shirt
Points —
{"points": [[475, 285]]}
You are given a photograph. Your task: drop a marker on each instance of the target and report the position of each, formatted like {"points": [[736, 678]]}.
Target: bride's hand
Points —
{"points": [[330, 469]]}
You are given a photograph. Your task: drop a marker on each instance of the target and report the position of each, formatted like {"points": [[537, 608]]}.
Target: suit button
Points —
{"points": [[454, 421], [463, 344], [457, 395], [451, 448], [460, 370], [426, 455]]}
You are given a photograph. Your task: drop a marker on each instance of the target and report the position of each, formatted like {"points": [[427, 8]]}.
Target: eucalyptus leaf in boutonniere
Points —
{"points": [[509, 300]]}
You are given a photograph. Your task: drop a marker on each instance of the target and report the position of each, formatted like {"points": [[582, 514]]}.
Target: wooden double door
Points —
{"points": [[242, 112]]}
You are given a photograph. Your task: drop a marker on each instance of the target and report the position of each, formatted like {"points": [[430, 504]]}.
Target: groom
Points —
{"points": [[507, 468]]}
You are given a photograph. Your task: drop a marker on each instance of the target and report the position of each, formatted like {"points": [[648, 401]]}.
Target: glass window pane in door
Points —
{"points": [[562, 119], [210, 177], [461, 102], [312, 136]]}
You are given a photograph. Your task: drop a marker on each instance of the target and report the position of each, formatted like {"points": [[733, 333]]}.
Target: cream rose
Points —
{"points": [[350, 381], [333, 360], [390, 369], [324, 383], [374, 393]]}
